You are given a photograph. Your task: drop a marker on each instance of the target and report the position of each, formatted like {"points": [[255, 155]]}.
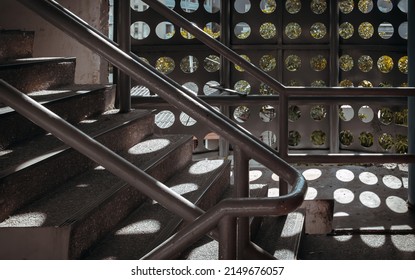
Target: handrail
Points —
{"points": [[185, 101]]}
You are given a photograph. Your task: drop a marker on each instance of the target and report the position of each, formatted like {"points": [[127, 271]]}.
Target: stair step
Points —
{"points": [[86, 207], [34, 168], [281, 236], [208, 249], [202, 182], [16, 44], [34, 74], [85, 101]]}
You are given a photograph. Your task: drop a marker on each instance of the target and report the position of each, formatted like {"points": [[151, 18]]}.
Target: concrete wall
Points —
{"points": [[49, 41]]}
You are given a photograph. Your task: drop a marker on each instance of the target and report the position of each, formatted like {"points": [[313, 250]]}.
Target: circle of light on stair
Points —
{"points": [[343, 196], [268, 6], [344, 175], [186, 120], [312, 174], [397, 204], [369, 199], [242, 6], [212, 63], [189, 64], [242, 30], [165, 30], [293, 6], [267, 30], [346, 6], [212, 6]]}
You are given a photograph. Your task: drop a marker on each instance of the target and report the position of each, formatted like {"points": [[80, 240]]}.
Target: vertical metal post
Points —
{"points": [[334, 76], [124, 41], [283, 132], [241, 174], [411, 101], [227, 238]]}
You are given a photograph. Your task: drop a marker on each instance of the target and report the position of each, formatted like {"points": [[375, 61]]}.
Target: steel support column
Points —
{"points": [[411, 100]]}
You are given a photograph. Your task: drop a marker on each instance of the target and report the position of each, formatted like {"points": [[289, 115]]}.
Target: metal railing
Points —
{"points": [[246, 145]]}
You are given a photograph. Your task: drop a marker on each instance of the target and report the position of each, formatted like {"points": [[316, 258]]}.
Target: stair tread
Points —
{"points": [[19, 62], [84, 192], [41, 147], [150, 221]]}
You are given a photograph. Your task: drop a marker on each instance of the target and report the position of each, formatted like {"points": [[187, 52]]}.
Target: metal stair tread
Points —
{"points": [[151, 220], [42, 147], [83, 193], [19, 62]]}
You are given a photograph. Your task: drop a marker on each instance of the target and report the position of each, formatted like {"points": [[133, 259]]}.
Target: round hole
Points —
{"points": [[346, 6], [192, 87], [186, 120], [385, 64], [267, 30], [401, 117], [269, 138], [318, 63], [140, 91], [208, 88], [346, 113], [242, 30], [386, 30], [293, 63], [346, 30], [366, 30], [293, 6], [189, 64], [165, 30], [267, 113], [164, 119], [185, 34], [165, 65], [318, 138], [265, 89], [386, 141], [241, 114], [212, 63], [346, 83], [213, 29], [403, 6], [294, 113], [403, 30], [239, 68], [212, 6], [189, 6], [318, 83], [138, 5], [403, 64], [294, 138], [295, 83], [366, 139], [385, 116], [366, 83], [242, 86], [293, 30], [211, 143], [365, 114], [385, 6], [365, 6], [318, 30], [242, 6], [346, 62], [318, 112], [365, 63], [268, 6], [139, 30], [401, 144], [168, 3], [268, 63], [318, 6], [346, 137]]}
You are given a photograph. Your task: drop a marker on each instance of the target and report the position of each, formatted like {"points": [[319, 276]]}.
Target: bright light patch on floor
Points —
{"points": [[373, 241], [275, 177], [311, 193], [254, 175], [343, 238], [31, 219], [142, 227], [404, 243], [205, 166], [397, 204], [148, 146], [392, 182], [185, 188], [343, 196], [344, 175], [405, 182], [99, 168], [368, 178], [341, 214], [312, 174], [369, 199]]}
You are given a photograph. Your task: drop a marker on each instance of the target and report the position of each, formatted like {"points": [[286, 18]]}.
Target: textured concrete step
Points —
{"points": [[34, 74], [73, 103], [202, 182], [16, 44], [29, 170], [88, 206], [208, 249]]}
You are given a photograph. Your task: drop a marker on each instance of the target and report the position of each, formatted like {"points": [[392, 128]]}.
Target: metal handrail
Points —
{"points": [[183, 100]]}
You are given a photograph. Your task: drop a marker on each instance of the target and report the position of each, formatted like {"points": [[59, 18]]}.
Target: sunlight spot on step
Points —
{"points": [[205, 166], [403, 167], [341, 214], [312, 174], [311, 193], [275, 177], [397, 204], [404, 243], [254, 175], [374, 241], [99, 168], [273, 192], [401, 227], [142, 227], [343, 196], [82, 185], [31, 219], [185, 188], [344, 175], [405, 182], [148, 146], [368, 178], [88, 121], [369, 199], [392, 182], [343, 238]]}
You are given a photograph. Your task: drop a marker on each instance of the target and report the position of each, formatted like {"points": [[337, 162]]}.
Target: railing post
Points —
{"points": [[411, 101], [241, 177], [124, 41], [227, 238], [283, 141]]}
